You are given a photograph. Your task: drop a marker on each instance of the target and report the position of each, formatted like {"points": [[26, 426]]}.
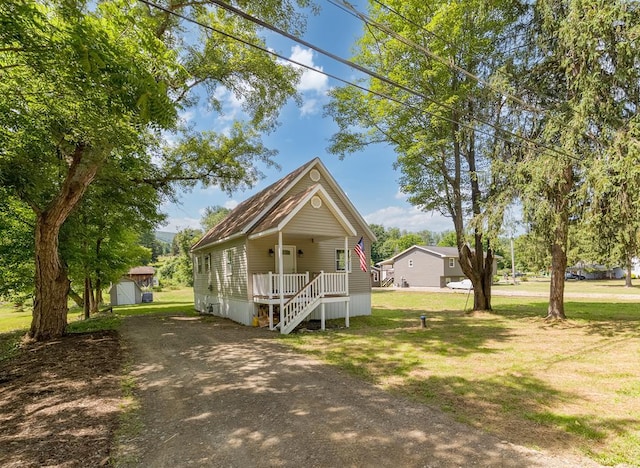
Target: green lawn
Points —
{"points": [[570, 386], [591, 287], [566, 386], [179, 300]]}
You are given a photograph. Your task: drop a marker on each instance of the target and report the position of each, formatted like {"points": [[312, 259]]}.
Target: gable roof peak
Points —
{"points": [[252, 210]]}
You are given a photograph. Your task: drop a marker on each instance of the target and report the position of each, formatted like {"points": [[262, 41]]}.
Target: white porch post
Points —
{"points": [[281, 274], [270, 303], [270, 316], [346, 317], [322, 316], [347, 264]]}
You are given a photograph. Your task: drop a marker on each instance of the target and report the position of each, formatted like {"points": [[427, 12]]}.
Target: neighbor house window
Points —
{"points": [[452, 262], [410, 263], [340, 260], [199, 264], [228, 265], [207, 263]]}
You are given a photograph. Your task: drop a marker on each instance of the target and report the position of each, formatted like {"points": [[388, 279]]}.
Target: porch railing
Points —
{"points": [[268, 284]]}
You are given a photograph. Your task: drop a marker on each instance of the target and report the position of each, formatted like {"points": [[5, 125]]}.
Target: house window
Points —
{"points": [[228, 264], [452, 262], [207, 263], [199, 264], [411, 263], [340, 260]]}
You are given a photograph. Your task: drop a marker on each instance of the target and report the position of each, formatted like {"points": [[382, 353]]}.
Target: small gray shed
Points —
{"points": [[125, 292]]}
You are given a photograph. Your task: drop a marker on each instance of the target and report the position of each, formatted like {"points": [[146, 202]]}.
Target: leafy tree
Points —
{"points": [[584, 75], [157, 247], [377, 253], [213, 215], [448, 239], [100, 240], [16, 249], [408, 240], [85, 84], [444, 151], [180, 268]]}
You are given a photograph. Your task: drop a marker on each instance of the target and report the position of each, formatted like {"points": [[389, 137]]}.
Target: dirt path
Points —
{"points": [[214, 393]]}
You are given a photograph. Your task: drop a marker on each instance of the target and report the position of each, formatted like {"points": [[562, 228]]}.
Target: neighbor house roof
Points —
{"points": [[269, 207], [142, 270], [442, 252]]}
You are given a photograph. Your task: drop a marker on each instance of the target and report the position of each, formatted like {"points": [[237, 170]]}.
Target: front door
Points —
{"points": [[288, 259]]}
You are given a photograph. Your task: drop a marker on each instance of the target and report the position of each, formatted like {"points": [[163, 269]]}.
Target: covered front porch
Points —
{"points": [[295, 293], [299, 259]]}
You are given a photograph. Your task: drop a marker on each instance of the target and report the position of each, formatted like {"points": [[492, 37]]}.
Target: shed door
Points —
{"points": [[288, 259], [126, 293]]}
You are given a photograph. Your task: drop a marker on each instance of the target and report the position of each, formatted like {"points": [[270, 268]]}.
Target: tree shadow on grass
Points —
{"points": [[597, 318], [519, 408]]}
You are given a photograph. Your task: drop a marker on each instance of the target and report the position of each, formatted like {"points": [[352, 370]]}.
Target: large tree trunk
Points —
{"points": [[97, 297], [627, 280], [87, 298], [559, 246], [77, 298], [556, 289], [480, 271], [52, 284]]}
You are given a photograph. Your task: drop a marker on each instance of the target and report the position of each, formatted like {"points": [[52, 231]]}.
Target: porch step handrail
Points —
{"points": [[304, 302]]}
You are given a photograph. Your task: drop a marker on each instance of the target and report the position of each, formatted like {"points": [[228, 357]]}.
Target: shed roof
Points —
{"points": [[142, 270]]}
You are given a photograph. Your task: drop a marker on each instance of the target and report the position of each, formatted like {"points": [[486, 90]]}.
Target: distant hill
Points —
{"points": [[165, 236]]}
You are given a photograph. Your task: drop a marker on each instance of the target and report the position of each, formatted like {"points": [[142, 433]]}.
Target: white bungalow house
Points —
{"points": [[285, 255]]}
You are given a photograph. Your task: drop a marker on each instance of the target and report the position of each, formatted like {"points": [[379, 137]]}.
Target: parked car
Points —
{"points": [[464, 284], [571, 275]]}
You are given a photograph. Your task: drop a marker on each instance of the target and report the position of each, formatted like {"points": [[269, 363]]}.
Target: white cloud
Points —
{"points": [[310, 107], [231, 204], [178, 224], [400, 195], [409, 218], [186, 116], [310, 80]]}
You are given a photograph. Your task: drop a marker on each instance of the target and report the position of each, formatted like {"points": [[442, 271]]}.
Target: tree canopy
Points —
{"points": [[92, 90]]}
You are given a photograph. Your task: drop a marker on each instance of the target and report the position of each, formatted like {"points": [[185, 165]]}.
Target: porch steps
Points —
{"points": [[302, 304]]}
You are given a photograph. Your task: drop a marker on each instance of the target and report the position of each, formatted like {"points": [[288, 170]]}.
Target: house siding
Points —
{"points": [[429, 270], [359, 281], [217, 282]]}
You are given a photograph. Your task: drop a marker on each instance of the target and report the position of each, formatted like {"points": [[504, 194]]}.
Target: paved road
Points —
{"points": [[218, 394]]}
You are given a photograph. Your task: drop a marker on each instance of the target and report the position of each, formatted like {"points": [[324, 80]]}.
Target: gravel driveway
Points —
{"points": [[218, 394]]}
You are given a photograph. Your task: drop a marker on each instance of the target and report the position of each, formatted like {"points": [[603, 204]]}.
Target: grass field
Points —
{"points": [[564, 386], [179, 300], [541, 285], [570, 386]]}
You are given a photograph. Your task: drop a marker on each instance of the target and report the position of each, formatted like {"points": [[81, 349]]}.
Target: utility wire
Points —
{"points": [[349, 8], [358, 67]]}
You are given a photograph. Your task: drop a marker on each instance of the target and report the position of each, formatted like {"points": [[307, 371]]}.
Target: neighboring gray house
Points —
{"points": [[279, 257], [426, 266]]}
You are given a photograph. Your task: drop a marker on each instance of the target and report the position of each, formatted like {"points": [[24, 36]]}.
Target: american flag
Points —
{"points": [[359, 248]]}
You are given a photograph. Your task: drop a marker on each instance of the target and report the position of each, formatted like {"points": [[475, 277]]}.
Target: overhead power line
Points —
{"points": [[354, 65], [349, 8]]}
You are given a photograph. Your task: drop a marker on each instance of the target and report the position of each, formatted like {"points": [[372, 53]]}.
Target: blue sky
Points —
{"points": [[368, 177]]}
